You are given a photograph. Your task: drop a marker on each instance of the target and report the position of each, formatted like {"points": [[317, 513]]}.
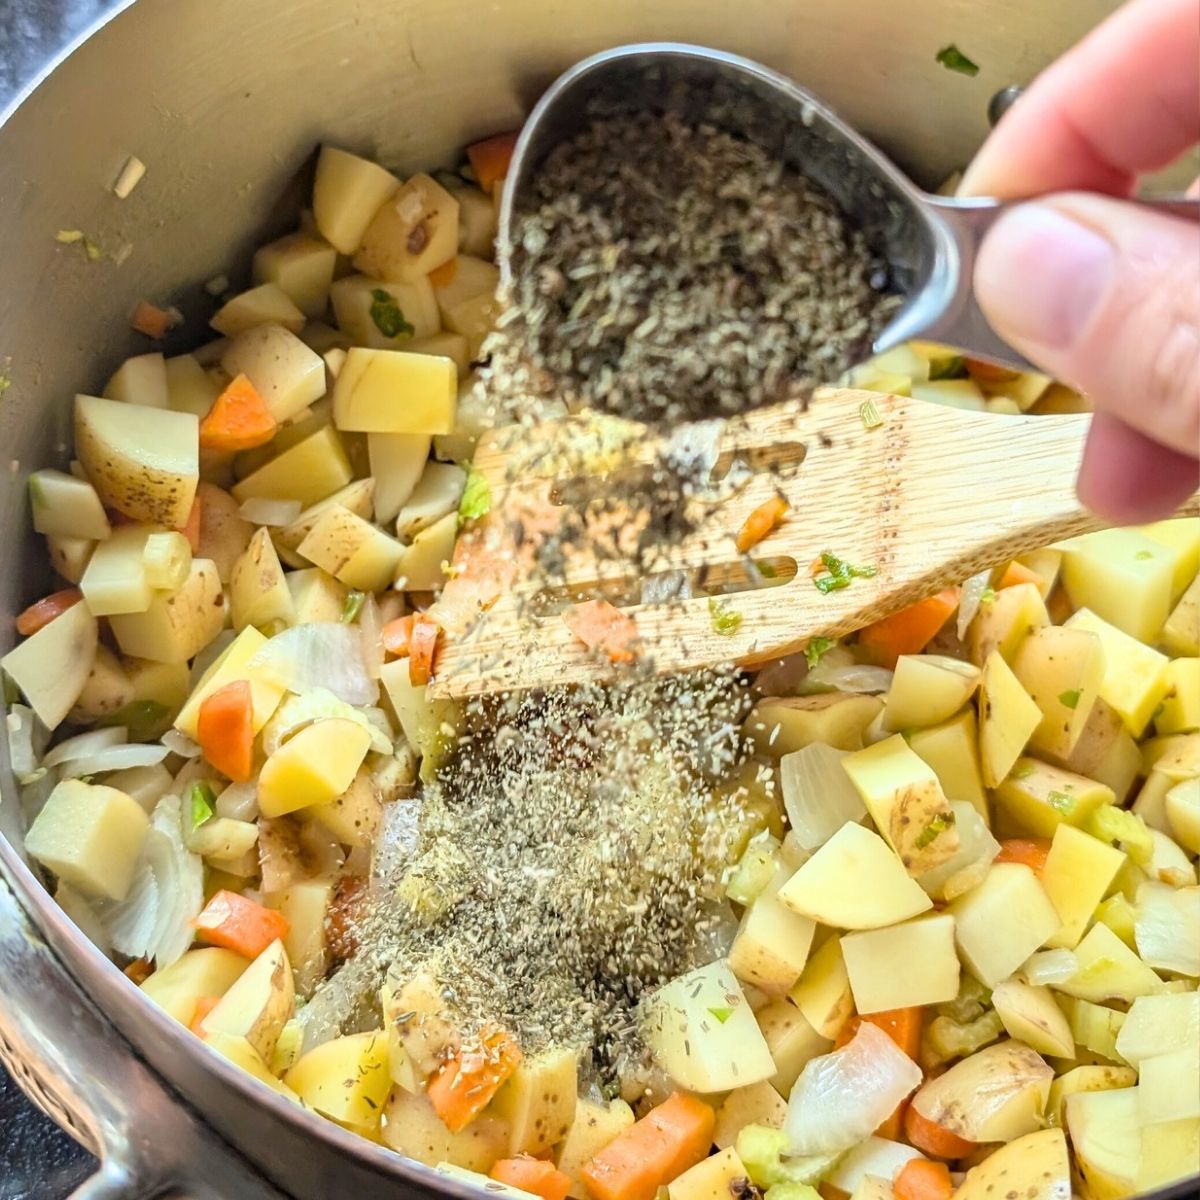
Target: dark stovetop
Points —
{"points": [[37, 1160]]}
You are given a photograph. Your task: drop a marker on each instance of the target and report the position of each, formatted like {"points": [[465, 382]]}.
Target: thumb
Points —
{"points": [[1106, 296]]}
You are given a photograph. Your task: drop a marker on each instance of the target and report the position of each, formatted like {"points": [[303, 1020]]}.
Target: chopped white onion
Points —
{"points": [[855, 677], [976, 849], [817, 793], [318, 704], [324, 654], [86, 745], [1049, 967], [844, 1096], [114, 758], [239, 802], [21, 756], [1167, 928], [259, 510], [179, 743], [970, 599], [370, 630]]}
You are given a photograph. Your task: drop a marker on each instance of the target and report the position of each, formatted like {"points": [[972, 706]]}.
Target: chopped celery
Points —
{"points": [[762, 1151], [754, 870], [946, 1039], [792, 1191], [1111, 824], [970, 1003]]}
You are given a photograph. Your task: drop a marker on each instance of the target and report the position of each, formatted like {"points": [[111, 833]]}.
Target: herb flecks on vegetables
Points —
{"points": [[1061, 802], [387, 314], [352, 607], [476, 499], [839, 573], [953, 59], [815, 649], [1069, 698], [936, 827], [725, 620], [720, 1015]]}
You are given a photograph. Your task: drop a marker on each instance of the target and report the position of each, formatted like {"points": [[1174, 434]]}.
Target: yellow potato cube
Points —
{"points": [[258, 1003], [1077, 875], [90, 836], [383, 315], [1122, 576], [445, 345], [771, 946], [757, 1104], [347, 193], [64, 506], [177, 625], [595, 1125], [345, 1079], [1062, 670], [313, 767], [1169, 1086], [391, 391], [1180, 712], [1105, 751], [306, 907], [232, 665], [952, 750], [308, 472], [140, 380], [928, 689], [414, 232], [1031, 1015], [1170, 1152], [1108, 970], [177, 988], [879, 964], [1181, 537], [1106, 1135], [267, 304], [69, 556], [1181, 633], [412, 1128], [710, 1179], [1004, 621], [1008, 718], [421, 566], [783, 725], [190, 388], [1040, 797], [356, 497], [1093, 1078], [258, 590], [285, 372], [302, 266], [538, 1102], [793, 1042], [241, 1053], [823, 993], [115, 580], [316, 596], [352, 550]]}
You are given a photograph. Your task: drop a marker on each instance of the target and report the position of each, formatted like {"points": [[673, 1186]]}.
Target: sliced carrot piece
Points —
{"points": [[1029, 852], [397, 636], [920, 1179], [668, 1140], [443, 276], [932, 1138], [761, 521], [910, 630], [39, 614], [225, 730], [191, 527], [422, 647], [204, 1006], [465, 1084], [599, 625], [238, 420], [139, 970], [490, 158], [239, 924], [1018, 572], [532, 1175], [151, 320]]}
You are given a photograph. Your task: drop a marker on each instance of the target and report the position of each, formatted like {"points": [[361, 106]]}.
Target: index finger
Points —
{"points": [[1125, 100]]}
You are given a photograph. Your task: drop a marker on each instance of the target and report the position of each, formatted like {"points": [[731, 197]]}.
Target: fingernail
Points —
{"points": [[1040, 275]]}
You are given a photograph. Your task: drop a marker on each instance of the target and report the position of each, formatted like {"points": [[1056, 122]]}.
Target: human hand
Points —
{"points": [[1099, 292]]}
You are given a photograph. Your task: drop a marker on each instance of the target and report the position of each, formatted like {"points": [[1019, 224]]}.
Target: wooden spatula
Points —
{"points": [[925, 498]]}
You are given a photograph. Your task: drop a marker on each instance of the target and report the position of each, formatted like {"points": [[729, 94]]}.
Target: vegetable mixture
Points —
{"points": [[914, 915]]}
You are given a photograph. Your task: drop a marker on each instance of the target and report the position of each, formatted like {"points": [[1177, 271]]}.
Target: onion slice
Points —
{"points": [[20, 741], [259, 510], [114, 758], [179, 743], [970, 600], [86, 745], [322, 654], [858, 678], [1167, 928]]}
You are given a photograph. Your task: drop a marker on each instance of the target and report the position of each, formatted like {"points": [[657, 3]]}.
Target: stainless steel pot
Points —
{"points": [[224, 100]]}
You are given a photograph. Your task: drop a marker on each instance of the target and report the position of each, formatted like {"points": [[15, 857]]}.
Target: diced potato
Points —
{"points": [[421, 567], [1008, 718], [199, 974], [466, 279], [1004, 622], [908, 964], [1135, 676], [474, 319], [347, 193], [793, 1042], [308, 472], [1108, 970], [307, 421], [189, 386], [538, 1102], [712, 1178], [52, 666], [784, 725], [108, 688], [356, 497], [1094, 1026], [241, 1053], [1181, 537], [1000, 923], [1122, 576], [476, 222], [411, 1127], [157, 682], [352, 550], [429, 726], [703, 1033], [1037, 1166], [354, 816], [1106, 1136], [952, 751], [1182, 807], [1093, 1078], [1046, 563], [167, 558], [316, 596], [475, 414], [397, 463], [1061, 669], [756, 1104], [446, 345], [1170, 1153], [140, 380], [177, 625], [385, 315], [224, 534], [144, 462], [1181, 633], [90, 836], [904, 361], [1159, 1025], [313, 767], [414, 232], [258, 1003], [595, 1125], [267, 304], [302, 266], [345, 1079], [928, 689], [391, 391], [115, 580], [285, 372], [222, 840], [1105, 751], [906, 802], [66, 507], [1180, 709], [771, 946], [421, 1034], [823, 994], [954, 393], [232, 665], [480, 1182], [305, 904], [1030, 1015], [1078, 872], [1040, 798], [1169, 1086], [437, 494], [69, 556], [258, 590], [854, 881]]}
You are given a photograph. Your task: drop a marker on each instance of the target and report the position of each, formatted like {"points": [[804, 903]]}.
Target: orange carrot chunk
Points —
{"points": [[489, 159], [920, 1179], [151, 320], [1029, 852], [601, 626], [650, 1153], [240, 925], [910, 630], [204, 1006], [465, 1084], [397, 636], [443, 276], [931, 1138], [1018, 572], [532, 1175], [225, 730], [422, 647], [238, 420], [761, 521], [39, 614]]}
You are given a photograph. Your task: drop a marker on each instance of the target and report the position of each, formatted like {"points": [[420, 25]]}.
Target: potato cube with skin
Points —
{"points": [[199, 974], [1040, 797], [823, 993], [1105, 752], [1181, 537], [1107, 1139], [140, 380], [397, 463], [595, 1125], [1030, 1015], [305, 905], [538, 1102], [879, 964], [66, 507], [224, 533], [422, 565], [1181, 805], [1170, 1152], [352, 550], [258, 1004], [347, 193], [771, 946], [1079, 869], [783, 725], [115, 580], [713, 1178], [189, 386], [69, 556], [415, 231], [356, 497], [1004, 621], [354, 816], [107, 690], [1000, 923], [285, 372], [1181, 633], [411, 1127], [345, 1079], [258, 590], [384, 315], [1091, 1078], [308, 472], [1135, 676], [90, 836], [1038, 1162], [302, 266], [316, 596], [927, 689], [313, 767], [177, 625], [906, 802], [757, 1104], [952, 751], [793, 1042], [1180, 709], [232, 665], [267, 304], [144, 462], [391, 391], [1062, 670], [1008, 718]]}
